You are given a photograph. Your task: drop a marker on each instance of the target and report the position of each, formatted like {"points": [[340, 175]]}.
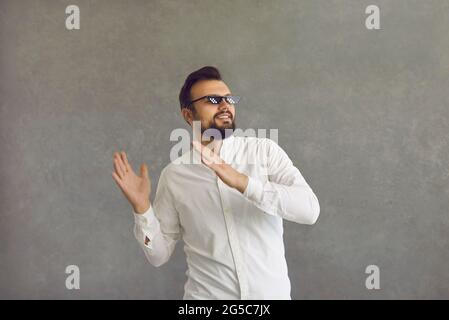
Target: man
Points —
{"points": [[227, 209]]}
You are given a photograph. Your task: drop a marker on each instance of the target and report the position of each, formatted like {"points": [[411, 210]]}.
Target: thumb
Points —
{"points": [[144, 170]]}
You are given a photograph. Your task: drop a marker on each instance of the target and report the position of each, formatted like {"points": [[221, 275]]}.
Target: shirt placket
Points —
{"points": [[232, 234]]}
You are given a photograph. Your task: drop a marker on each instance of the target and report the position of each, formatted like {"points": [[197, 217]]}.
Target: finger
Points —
{"points": [[207, 157], [118, 169], [198, 146], [210, 156], [117, 179], [144, 170], [121, 163], [125, 161]]}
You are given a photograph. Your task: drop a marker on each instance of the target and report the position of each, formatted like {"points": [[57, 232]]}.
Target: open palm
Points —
{"points": [[136, 188]]}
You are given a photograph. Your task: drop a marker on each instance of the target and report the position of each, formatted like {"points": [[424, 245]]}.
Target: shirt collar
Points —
{"points": [[226, 143]]}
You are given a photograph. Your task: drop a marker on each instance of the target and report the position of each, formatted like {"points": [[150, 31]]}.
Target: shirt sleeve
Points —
{"points": [[286, 192], [159, 225]]}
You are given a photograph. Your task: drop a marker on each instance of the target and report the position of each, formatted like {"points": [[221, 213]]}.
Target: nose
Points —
{"points": [[224, 103]]}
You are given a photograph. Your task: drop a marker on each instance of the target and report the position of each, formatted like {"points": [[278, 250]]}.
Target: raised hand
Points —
{"points": [[224, 171], [136, 188]]}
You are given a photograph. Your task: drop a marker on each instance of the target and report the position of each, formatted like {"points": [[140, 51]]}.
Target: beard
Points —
{"points": [[218, 131], [224, 130]]}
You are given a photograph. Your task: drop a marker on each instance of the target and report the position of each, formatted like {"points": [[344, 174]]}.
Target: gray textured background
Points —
{"points": [[363, 114]]}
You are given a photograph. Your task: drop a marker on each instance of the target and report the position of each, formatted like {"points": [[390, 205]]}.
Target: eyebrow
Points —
{"points": [[218, 95]]}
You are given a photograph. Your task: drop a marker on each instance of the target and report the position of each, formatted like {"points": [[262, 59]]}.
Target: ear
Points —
{"points": [[187, 115]]}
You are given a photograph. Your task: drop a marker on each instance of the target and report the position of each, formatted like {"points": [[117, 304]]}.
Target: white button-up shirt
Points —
{"points": [[233, 241]]}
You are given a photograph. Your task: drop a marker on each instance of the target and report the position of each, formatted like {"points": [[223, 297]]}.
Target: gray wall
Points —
{"points": [[362, 113]]}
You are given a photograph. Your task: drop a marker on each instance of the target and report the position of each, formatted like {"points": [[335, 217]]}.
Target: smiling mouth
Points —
{"points": [[224, 116]]}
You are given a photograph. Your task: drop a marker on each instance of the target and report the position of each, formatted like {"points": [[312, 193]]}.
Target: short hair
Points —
{"points": [[205, 73]]}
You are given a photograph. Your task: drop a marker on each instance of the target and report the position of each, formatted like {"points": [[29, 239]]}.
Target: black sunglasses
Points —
{"points": [[217, 99]]}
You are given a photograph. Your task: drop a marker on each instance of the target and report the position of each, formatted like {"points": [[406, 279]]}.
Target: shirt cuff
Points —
{"points": [[146, 218], [254, 190], [147, 226]]}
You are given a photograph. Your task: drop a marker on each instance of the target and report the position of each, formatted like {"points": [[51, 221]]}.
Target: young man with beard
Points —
{"points": [[228, 212]]}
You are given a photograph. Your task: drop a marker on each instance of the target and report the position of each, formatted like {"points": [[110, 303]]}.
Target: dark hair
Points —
{"points": [[205, 73]]}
